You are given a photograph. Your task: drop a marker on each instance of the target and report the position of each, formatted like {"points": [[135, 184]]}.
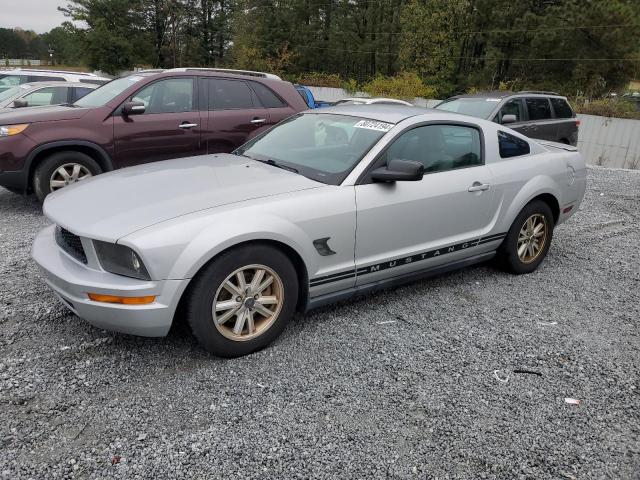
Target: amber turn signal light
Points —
{"points": [[96, 297], [9, 130]]}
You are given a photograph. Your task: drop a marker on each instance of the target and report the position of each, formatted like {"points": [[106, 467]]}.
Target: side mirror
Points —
{"points": [[133, 108], [509, 118], [20, 103], [399, 171]]}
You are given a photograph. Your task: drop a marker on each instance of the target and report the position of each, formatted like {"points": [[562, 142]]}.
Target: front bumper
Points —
{"points": [[72, 281], [18, 180], [15, 155]]}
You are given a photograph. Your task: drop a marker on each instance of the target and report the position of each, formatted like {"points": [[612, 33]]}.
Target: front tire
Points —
{"points": [[528, 240], [242, 300], [62, 169]]}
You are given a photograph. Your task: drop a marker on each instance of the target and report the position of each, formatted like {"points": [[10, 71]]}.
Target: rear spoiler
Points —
{"points": [[562, 146]]}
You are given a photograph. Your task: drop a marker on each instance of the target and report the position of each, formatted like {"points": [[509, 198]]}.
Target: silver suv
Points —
{"points": [[43, 93], [18, 76], [541, 115]]}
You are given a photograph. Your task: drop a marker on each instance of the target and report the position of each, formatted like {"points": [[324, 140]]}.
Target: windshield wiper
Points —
{"points": [[269, 161], [279, 165]]}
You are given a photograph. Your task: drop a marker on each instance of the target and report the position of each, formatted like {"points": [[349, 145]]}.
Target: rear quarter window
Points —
{"points": [[512, 146], [268, 98], [561, 108]]}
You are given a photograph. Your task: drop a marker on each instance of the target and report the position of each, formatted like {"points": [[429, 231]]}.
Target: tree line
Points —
{"points": [[578, 47]]}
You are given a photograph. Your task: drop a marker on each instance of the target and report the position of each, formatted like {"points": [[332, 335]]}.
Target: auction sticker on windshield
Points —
{"points": [[373, 125]]}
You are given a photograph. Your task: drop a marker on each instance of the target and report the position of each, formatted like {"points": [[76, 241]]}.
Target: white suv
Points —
{"points": [[18, 76]]}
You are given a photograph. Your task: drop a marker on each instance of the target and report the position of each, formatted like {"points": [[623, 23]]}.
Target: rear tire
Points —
{"points": [[528, 240], [61, 169], [230, 320]]}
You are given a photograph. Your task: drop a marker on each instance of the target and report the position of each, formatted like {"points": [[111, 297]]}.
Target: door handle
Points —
{"points": [[258, 121], [187, 125], [478, 187]]}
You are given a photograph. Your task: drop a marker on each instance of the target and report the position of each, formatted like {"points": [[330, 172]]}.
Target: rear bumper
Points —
{"points": [[72, 281]]}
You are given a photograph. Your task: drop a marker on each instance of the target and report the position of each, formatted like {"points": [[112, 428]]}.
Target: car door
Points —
{"points": [[408, 226], [540, 124], [168, 128], [566, 123], [235, 114], [515, 107], [47, 96]]}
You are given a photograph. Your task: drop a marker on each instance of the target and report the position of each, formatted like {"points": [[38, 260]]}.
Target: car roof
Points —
{"points": [[37, 71], [505, 93], [217, 73], [377, 111], [57, 84]]}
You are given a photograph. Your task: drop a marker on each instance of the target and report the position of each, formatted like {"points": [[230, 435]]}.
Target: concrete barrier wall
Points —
{"points": [[609, 142], [19, 62]]}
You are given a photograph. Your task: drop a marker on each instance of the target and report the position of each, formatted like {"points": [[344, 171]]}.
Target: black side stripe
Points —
{"points": [[404, 260], [333, 277], [322, 280]]}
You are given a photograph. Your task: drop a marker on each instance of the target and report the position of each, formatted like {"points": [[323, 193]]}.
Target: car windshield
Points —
{"points": [[9, 93], [107, 92], [480, 107], [321, 146]]}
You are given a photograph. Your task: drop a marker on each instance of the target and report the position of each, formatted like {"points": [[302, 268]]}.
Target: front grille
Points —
{"points": [[71, 244]]}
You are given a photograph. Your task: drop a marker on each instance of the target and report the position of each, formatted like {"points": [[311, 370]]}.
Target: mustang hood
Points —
{"points": [[118, 203]]}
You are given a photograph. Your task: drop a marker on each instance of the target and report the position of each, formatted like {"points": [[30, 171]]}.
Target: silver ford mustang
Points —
{"points": [[326, 205]]}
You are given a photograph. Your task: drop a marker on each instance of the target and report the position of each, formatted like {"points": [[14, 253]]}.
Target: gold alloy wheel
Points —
{"points": [[67, 174], [532, 238], [248, 302]]}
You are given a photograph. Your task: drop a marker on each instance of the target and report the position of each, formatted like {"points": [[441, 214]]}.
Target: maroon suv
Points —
{"points": [[140, 118]]}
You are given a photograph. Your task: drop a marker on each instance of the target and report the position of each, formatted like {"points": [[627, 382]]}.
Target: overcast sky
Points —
{"points": [[38, 15]]}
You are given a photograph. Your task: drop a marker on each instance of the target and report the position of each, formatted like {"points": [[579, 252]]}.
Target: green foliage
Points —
{"points": [[350, 85], [117, 37], [404, 85], [608, 107], [495, 44], [64, 41], [20, 44], [452, 45], [316, 79], [429, 42]]}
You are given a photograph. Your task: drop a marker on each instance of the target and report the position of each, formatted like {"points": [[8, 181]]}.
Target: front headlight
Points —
{"points": [[120, 260], [9, 130]]}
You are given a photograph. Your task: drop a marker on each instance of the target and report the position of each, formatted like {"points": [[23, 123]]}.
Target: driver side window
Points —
{"points": [[512, 107], [172, 95], [438, 147]]}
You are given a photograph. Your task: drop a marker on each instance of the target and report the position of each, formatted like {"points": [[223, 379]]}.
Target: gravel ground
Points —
{"points": [[416, 382]]}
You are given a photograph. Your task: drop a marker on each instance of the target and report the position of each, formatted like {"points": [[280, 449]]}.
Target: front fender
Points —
{"points": [[179, 249], [211, 242]]}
